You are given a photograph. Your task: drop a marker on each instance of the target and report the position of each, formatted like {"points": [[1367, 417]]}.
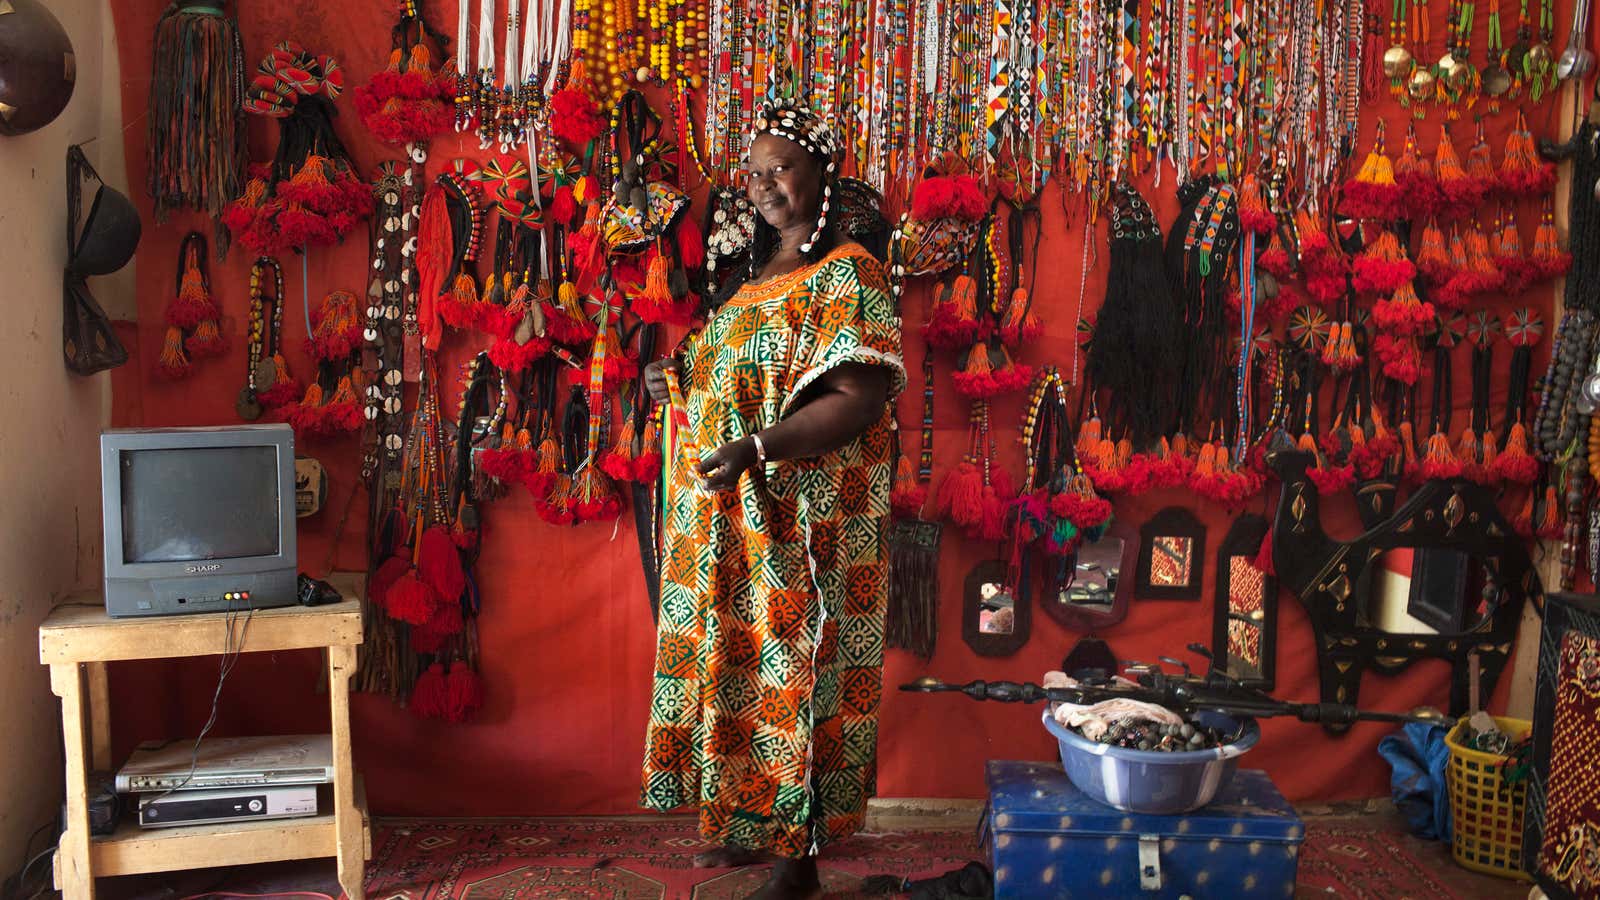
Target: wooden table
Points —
{"points": [[78, 639]]}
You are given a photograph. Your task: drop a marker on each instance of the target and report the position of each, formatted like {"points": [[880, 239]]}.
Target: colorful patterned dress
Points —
{"points": [[769, 661]]}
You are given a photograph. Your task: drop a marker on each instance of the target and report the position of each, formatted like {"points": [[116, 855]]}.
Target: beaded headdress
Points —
{"points": [[798, 123]]}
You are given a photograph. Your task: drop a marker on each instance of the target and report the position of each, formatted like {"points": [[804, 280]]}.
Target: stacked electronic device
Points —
{"points": [[227, 780]]}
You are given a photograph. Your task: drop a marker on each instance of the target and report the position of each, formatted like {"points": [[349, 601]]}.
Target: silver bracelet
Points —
{"points": [[761, 449]]}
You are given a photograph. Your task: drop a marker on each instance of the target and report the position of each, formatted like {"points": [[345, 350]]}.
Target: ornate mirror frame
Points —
{"points": [[1332, 580]]}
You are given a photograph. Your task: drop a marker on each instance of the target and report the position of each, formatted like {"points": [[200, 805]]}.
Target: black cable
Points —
{"points": [[232, 648]]}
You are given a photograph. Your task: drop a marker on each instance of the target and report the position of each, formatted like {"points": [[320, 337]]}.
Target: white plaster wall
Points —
{"points": [[50, 420]]}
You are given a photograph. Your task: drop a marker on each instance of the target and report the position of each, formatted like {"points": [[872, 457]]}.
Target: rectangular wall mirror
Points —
{"points": [[1245, 629]]}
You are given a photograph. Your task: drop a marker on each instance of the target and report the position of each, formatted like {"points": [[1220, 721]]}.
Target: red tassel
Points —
{"points": [[439, 564], [1372, 193], [1433, 257], [992, 521], [1382, 267], [386, 575], [908, 495], [410, 600], [429, 696], [1461, 193], [976, 379], [207, 340], [1263, 561], [947, 197], [961, 495], [1522, 523], [1021, 325], [954, 322], [574, 117], [173, 362], [1550, 515], [563, 207], [1440, 461], [432, 635], [464, 695], [1548, 260], [1275, 259], [1522, 172], [1253, 212], [1514, 465], [588, 245], [656, 303], [691, 245], [1413, 175]]}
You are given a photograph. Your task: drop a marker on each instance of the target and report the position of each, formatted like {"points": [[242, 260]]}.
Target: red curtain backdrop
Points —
{"points": [[566, 634]]}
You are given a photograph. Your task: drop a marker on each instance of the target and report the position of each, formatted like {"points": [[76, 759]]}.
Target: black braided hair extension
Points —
{"points": [[306, 131], [1204, 384], [1139, 336], [1583, 279], [575, 428]]}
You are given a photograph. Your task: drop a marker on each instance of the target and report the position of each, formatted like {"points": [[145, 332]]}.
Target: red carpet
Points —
{"points": [[625, 859], [1351, 858], [1362, 857], [476, 859]]}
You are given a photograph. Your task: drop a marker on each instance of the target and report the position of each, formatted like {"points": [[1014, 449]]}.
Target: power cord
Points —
{"points": [[232, 649], [18, 883]]}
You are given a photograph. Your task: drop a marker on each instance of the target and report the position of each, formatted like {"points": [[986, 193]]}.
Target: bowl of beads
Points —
{"points": [[1149, 760]]}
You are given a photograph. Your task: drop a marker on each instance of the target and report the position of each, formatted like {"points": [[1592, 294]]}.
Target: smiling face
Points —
{"points": [[785, 183]]}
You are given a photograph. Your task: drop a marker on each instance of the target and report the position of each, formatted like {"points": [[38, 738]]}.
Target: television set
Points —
{"points": [[198, 519]]}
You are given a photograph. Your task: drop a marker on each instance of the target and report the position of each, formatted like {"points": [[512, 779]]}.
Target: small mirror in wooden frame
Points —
{"points": [[1096, 596], [996, 617], [1245, 632], [1172, 557]]}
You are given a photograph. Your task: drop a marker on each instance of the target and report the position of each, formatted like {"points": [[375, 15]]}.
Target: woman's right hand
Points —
{"points": [[655, 379]]}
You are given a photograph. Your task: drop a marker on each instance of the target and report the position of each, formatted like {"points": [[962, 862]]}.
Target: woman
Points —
{"points": [[769, 662]]}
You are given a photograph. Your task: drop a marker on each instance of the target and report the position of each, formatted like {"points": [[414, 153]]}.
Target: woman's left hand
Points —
{"points": [[720, 469]]}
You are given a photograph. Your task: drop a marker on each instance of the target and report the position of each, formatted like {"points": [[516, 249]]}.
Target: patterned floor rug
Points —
{"points": [[1362, 857]]}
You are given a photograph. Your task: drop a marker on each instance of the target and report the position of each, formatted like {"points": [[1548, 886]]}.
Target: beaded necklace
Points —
{"points": [[262, 341], [1247, 316], [1024, 109], [1124, 133], [466, 81], [485, 103], [1495, 80], [997, 95], [1149, 126], [1302, 97], [901, 162], [508, 112], [1457, 82], [1532, 61], [1419, 87]]}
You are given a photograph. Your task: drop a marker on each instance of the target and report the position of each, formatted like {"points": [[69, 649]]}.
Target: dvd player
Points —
{"points": [[228, 762], [203, 807]]}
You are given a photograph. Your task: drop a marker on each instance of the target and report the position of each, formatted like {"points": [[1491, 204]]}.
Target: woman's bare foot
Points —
{"points": [[730, 857], [791, 879]]}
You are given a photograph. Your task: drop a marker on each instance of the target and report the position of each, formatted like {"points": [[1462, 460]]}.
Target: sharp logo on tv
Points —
{"points": [[201, 570]]}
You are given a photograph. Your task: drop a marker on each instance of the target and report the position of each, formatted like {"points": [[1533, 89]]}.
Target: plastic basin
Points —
{"points": [[1149, 781]]}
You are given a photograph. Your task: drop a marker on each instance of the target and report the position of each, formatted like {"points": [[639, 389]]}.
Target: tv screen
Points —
{"points": [[180, 505]]}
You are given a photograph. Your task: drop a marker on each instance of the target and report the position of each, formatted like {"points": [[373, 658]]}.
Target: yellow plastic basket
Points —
{"points": [[1486, 814]]}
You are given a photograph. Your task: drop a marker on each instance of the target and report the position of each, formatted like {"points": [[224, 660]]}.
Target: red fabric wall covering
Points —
{"points": [[567, 640]]}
